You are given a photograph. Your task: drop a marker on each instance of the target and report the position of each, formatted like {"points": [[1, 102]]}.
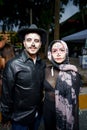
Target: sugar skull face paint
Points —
{"points": [[32, 43], [58, 52]]}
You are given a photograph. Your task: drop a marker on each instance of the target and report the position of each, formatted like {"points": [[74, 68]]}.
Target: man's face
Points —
{"points": [[32, 43], [58, 52]]}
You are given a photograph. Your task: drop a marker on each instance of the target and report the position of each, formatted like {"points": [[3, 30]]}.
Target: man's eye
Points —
{"points": [[37, 40], [28, 40]]}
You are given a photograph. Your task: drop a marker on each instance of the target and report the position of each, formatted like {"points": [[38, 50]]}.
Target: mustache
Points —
{"points": [[32, 46]]}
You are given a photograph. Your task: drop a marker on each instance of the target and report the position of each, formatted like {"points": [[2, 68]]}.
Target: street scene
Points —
{"points": [[43, 52]]}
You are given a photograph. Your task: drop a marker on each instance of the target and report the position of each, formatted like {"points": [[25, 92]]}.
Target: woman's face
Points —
{"points": [[58, 52]]}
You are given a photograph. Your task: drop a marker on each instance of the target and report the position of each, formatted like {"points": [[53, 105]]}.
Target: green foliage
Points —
{"points": [[64, 2], [1, 2]]}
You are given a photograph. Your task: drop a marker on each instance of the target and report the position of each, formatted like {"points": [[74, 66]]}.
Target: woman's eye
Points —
{"points": [[62, 50], [54, 50]]}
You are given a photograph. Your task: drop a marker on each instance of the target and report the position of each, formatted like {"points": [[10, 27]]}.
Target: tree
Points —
{"points": [[40, 12], [56, 21], [17, 12], [58, 8], [82, 5]]}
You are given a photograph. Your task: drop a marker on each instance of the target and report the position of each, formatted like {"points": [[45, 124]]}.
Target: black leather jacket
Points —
{"points": [[22, 88]]}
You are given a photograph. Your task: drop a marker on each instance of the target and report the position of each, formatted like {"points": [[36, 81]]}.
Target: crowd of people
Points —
{"points": [[32, 90]]}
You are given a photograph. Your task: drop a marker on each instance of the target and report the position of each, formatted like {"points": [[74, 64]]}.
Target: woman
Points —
{"points": [[62, 87]]}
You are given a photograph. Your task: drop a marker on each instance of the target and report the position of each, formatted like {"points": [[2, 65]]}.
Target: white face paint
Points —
{"points": [[58, 52], [32, 43]]}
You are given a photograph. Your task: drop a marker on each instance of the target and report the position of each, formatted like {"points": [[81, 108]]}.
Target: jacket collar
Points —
{"points": [[26, 57]]}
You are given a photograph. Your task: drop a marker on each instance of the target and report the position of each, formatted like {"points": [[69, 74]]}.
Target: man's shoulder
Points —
{"points": [[43, 63], [13, 60]]}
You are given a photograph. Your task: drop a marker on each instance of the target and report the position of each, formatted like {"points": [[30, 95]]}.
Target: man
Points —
{"points": [[23, 81]]}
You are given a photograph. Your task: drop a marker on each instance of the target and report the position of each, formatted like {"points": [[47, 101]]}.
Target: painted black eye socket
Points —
{"points": [[30, 40], [56, 50]]}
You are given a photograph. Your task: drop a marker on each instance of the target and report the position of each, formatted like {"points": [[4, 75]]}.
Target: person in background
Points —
{"points": [[23, 76], [3, 40], [2, 44], [62, 85], [2, 65], [8, 52]]}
